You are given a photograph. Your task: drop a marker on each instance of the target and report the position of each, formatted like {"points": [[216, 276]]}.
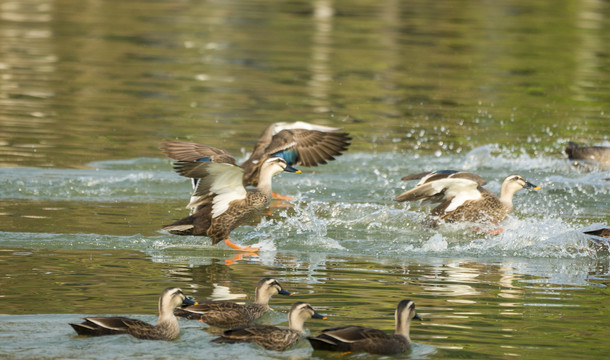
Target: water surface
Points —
{"points": [[89, 89]]}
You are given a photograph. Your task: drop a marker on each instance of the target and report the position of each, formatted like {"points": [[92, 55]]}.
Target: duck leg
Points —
{"points": [[281, 197], [239, 247]]}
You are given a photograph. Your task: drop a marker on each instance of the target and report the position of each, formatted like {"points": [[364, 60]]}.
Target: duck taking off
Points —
{"points": [[220, 202], [462, 197]]}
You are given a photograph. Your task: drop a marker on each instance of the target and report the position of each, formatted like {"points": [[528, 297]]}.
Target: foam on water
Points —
{"points": [[345, 207]]}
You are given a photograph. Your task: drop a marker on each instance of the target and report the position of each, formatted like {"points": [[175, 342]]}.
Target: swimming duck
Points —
{"points": [[226, 314], [598, 230], [462, 197], [167, 327], [298, 143], [273, 337], [364, 339], [220, 202], [600, 154]]}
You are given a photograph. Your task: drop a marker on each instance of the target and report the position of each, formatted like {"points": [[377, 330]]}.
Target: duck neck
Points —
{"points": [[264, 182], [506, 197], [402, 328], [295, 322], [165, 316], [261, 298]]}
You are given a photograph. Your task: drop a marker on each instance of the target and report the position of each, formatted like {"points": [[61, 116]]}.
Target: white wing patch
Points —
{"points": [[101, 324], [226, 184], [461, 190], [279, 126]]}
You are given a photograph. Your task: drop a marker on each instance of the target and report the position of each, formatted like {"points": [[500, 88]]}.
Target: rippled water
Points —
{"points": [[88, 89]]}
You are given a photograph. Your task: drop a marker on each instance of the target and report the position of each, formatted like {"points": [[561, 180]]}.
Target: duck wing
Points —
{"points": [[350, 338], [219, 184], [429, 176], [267, 336], [444, 186], [351, 333], [307, 147], [190, 151], [97, 326], [216, 313]]}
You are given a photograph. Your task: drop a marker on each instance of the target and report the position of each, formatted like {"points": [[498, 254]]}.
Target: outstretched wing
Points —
{"points": [[190, 151], [456, 187], [307, 147], [279, 126], [218, 183], [429, 176]]}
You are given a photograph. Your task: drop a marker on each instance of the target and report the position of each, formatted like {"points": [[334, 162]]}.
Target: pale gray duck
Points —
{"points": [[167, 327], [273, 337], [462, 197], [352, 338], [227, 314], [220, 202]]}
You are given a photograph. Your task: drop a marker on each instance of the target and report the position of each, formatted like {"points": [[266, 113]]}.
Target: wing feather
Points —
{"points": [[190, 151], [219, 183]]}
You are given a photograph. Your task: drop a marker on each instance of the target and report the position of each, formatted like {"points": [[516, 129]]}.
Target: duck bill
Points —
{"points": [[284, 292], [417, 317], [529, 185], [188, 301], [292, 170], [318, 316]]}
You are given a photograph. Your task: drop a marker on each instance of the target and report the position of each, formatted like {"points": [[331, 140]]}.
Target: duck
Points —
{"points": [[599, 230], [462, 197], [351, 338], [273, 337], [298, 143], [596, 154], [227, 314], [220, 202], [167, 327]]}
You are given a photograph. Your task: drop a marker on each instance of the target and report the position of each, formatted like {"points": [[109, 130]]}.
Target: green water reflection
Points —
{"points": [[417, 83], [470, 309], [84, 82]]}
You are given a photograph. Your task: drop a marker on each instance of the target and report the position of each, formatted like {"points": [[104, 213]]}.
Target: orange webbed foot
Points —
{"points": [[241, 248]]}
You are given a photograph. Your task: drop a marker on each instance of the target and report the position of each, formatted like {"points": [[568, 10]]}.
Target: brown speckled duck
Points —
{"points": [[364, 339], [220, 202], [167, 327], [227, 314], [462, 197], [298, 143], [273, 337]]}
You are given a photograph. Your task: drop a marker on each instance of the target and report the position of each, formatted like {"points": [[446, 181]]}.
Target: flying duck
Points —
{"points": [[220, 202]]}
